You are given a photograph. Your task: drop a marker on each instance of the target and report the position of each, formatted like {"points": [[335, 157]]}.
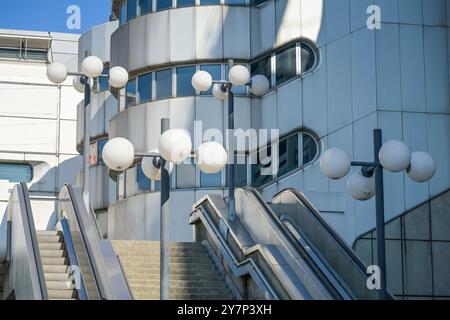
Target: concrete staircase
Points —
{"points": [[58, 274], [192, 274]]}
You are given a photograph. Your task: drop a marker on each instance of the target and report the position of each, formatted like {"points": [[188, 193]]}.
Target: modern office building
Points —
{"points": [[37, 119], [338, 69]]}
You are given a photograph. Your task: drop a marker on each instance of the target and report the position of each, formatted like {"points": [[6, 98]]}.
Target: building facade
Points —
{"points": [[37, 120]]}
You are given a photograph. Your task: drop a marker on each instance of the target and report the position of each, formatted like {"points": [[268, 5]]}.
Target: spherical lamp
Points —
{"points": [[239, 75], [57, 72], [335, 163], [259, 85], [92, 66], [218, 93], [201, 81], [211, 157], [175, 145], [150, 170], [361, 187], [395, 156], [118, 154], [118, 77], [79, 86], [422, 168]]}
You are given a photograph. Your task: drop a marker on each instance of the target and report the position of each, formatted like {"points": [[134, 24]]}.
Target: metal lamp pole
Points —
{"points": [[368, 170], [86, 142], [165, 220]]}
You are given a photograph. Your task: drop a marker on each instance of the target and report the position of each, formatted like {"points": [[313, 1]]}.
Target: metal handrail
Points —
{"points": [[238, 268]]}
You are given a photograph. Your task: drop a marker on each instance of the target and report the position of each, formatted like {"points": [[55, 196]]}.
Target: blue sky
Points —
{"points": [[50, 15]]}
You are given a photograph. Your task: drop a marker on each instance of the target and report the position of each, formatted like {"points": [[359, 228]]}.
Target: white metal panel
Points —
{"points": [[236, 32], [434, 12], [337, 19], [389, 9], [436, 69], [314, 180], [388, 67], [242, 113], [210, 112], [363, 73], [139, 35], [182, 34], [439, 148], [410, 11], [269, 111], [158, 35], [136, 121], [289, 106], [255, 31], [413, 69], [182, 113], [312, 17], [339, 84], [208, 33], [288, 24], [267, 26], [67, 138], [358, 13], [155, 111]]}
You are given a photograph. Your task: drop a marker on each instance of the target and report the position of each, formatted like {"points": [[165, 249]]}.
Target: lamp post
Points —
{"points": [[175, 147], [238, 76], [394, 156], [91, 67]]}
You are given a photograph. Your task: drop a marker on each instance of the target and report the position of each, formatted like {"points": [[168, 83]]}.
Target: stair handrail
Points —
{"points": [[238, 268], [103, 264], [20, 223]]}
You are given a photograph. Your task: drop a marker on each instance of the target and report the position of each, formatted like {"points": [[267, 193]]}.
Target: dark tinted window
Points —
{"points": [[16, 172], [164, 84], [184, 81], [145, 88], [286, 64]]}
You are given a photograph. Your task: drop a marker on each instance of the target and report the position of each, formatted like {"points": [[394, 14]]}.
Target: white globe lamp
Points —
{"points": [[76, 81], [149, 168], [395, 156], [422, 168], [239, 75], [360, 187], [57, 72], [259, 85], [218, 93], [92, 66], [335, 163], [211, 157], [175, 145], [201, 81], [118, 154], [118, 77]]}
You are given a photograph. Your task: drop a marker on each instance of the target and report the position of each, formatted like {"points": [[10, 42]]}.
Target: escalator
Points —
{"points": [[70, 262], [281, 250]]}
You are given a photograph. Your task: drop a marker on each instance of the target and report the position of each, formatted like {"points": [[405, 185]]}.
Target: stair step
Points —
{"points": [[135, 274], [53, 276], [155, 296], [48, 233], [49, 239], [54, 261], [60, 285], [198, 283], [197, 264], [52, 246], [62, 294], [53, 253], [190, 291], [56, 268]]}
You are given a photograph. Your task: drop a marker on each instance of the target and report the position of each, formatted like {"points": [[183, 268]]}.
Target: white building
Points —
{"points": [[37, 119], [333, 80]]}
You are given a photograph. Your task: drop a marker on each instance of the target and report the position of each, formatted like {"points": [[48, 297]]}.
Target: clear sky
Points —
{"points": [[51, 15]]}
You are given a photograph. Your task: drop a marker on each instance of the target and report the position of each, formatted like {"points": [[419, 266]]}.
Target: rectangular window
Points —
{"points": [[186, 176], [145, 6], [100, 146], [240, 171], [103, 84], [235, 2], [286, 64], [185, 3], [263, 67], [143, 181], [123, 13], [261, 170], [288, 155], [309, 149], [131, 93], [131, 9], [215, 71], [184, 81], [164, 84], [145, 88], [236, 90], [210, 180], [204, 2], [16, 172], [37, 55], [163, 4]]}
